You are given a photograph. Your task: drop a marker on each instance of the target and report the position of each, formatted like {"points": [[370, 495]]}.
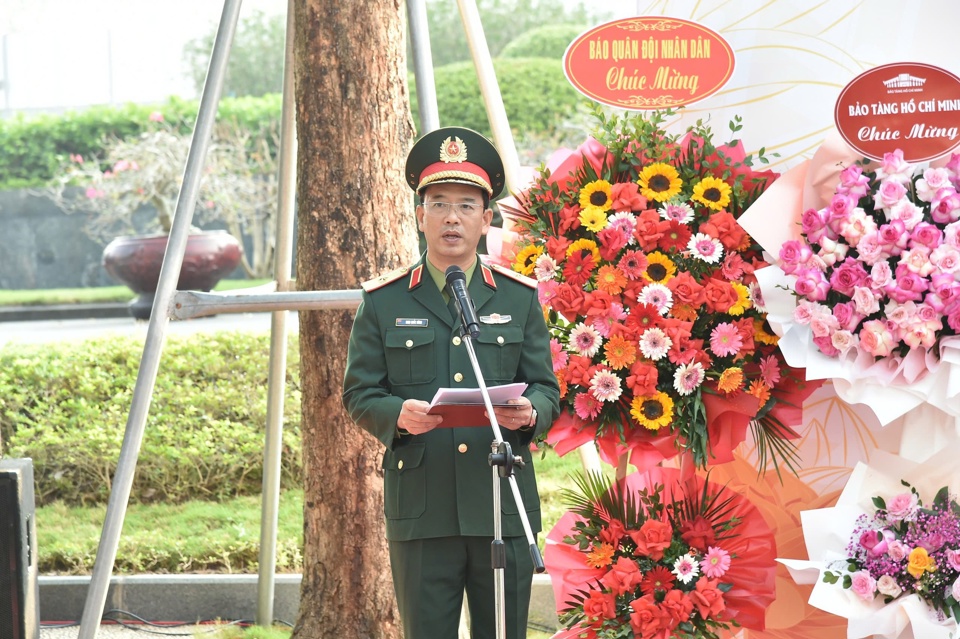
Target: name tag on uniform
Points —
{"points": [[411, 321], [495, 318]]}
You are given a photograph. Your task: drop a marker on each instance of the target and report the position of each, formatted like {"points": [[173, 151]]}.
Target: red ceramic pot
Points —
{"points": [[135, 260]]}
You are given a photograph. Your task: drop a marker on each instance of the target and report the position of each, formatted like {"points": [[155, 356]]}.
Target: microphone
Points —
{"points": [[457, 283]]}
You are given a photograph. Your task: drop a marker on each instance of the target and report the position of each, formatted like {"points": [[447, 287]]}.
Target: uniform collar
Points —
{"points": [[440, 278]]}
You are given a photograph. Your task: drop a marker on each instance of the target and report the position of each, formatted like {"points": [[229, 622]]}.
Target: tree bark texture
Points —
{"points": [[355, 220]]}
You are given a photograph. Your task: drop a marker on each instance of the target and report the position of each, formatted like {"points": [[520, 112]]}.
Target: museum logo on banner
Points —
{"points": [[909, 106], [648, 63]]}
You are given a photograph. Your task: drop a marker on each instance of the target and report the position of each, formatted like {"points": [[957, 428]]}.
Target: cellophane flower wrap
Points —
{"points": [[877, 271], [655, 557], [884, 557], [866, 287], [658, 327]]}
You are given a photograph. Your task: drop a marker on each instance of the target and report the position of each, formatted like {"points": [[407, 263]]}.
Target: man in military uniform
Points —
{"points": [[406, 344]]}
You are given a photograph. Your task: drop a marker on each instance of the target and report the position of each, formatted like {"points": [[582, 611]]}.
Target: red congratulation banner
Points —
{"points": [[909, 106], [648, 63]]}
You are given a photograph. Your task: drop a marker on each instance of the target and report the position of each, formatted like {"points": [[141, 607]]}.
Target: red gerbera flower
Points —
{"points": [[642, 317], [659, 578], [579, 268], [675, 237]]}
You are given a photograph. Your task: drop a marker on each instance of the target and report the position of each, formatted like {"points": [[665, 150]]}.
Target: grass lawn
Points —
{"points": [[93, 295], [203, 536]]}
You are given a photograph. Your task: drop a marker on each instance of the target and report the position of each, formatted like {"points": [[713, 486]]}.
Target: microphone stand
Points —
{"points": [[502, 462]]}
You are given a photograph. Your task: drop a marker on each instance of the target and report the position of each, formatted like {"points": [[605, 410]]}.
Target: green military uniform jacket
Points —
{"points": [[405, 344]]}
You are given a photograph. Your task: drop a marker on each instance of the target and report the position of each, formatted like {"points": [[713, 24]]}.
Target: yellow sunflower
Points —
{"points": [[526, 259], [584, 245], [653, 412], [762, 332], [660, 268], [743, 299], [712, 192], [659, 182], [596, 194], [593, 219]]}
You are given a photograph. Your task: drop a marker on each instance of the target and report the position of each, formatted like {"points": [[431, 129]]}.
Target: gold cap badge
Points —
{"points": [[453, 150]]}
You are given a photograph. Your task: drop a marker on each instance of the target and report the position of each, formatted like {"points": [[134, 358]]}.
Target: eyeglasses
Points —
{"points": [[462, 209]]}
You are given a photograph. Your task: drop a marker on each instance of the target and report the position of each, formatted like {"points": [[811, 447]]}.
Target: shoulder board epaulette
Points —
{"points": [[513, 275], [386, 278]]}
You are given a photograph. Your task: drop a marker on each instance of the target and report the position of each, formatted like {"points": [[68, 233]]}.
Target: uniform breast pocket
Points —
{"points": [[410, 355], [405, 483], [498, 350]]}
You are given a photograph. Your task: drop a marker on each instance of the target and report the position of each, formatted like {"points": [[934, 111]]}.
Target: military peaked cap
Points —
{"points": [[455, 154]]}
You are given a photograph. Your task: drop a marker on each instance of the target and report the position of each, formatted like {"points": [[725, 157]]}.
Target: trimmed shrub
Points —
{"points": [[549, 41], [66, 405], [536, 95], [34, 148]]}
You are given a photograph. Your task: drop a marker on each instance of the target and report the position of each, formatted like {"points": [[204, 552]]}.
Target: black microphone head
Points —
{"points": [[454, 273]]}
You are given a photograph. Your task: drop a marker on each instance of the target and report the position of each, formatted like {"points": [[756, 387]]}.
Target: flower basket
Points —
{"points": [[659, 556], [659, 333]]}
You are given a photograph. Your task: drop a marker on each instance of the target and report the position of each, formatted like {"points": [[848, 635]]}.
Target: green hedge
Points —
{"points": [[65, 405], [535, 92], [34, 147], [536, 95], [549, 41]]}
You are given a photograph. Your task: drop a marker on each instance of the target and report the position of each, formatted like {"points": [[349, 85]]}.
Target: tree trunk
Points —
{"points": [[355, 221]]}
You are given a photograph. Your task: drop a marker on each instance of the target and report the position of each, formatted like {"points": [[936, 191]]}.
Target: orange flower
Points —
{"points": [[731, 380], [563, 383], [684, 312], [600, 556], [919, 562], [619, 352], [759, 390], [611, 280]]}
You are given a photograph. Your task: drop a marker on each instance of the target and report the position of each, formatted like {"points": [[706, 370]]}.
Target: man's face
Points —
{"points": [[451, 230]]}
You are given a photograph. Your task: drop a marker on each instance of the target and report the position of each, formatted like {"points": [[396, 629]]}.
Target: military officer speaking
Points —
{"points": [[406, 344]]}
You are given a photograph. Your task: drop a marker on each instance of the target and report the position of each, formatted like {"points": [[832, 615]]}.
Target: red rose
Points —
{"points": [[624, 576], [645, 618], [578, 369], [650, 228], [642, 380], [557, 248], [698, 534], [599, 605], [569, 219], [723, 226], [719, 295], [745, 330], [626, 197], [675, 609], [568, 301], [686, 289], [652, 539], [708, 599], [613, 532]]}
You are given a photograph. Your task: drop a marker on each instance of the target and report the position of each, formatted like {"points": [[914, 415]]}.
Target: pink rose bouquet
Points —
{"points": [[877, 270]]}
